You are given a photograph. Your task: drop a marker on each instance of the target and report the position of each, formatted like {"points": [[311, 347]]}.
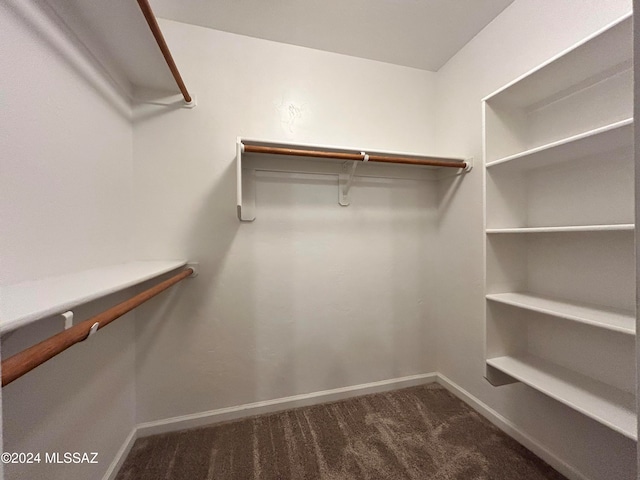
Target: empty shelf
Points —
{"points": [[27, 302], [133, 56], [618, 320], [608, 405], [598, 141], [608, 49], [566, 228]]}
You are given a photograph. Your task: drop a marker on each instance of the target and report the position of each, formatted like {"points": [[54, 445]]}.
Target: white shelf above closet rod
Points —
{"points": [[136, 57], [23, 362], [27, 302], [325, 159], [361, 156]]}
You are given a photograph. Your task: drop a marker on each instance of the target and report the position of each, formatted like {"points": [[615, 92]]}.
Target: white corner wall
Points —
{"points": [[311, 296], [526, 34], [65, 191]]}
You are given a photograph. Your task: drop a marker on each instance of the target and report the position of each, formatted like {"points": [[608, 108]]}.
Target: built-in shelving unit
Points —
{"points": [[27, 302], [558, 151]]}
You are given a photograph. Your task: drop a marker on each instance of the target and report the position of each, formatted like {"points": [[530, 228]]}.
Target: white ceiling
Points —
{"points": [[416, 33]]}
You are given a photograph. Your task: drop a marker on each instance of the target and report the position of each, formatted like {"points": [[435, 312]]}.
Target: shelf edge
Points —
{"points": [[564, 141], [566, 316], [621, 227], [34, 316], [546, 391], [560, 55]]}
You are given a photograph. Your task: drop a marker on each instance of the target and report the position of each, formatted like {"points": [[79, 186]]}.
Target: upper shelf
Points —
{"points": [[117, 34], [342, 162], [578, 94], [595, 142], [603, 53], [616, 320], [27, 302], [345, 153]]}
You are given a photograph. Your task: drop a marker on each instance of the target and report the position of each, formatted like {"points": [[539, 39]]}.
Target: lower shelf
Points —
{"points": [[608, 405]]}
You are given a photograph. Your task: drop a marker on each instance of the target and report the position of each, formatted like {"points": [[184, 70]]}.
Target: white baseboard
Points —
{"points": [[120, 457], [510, 429], [279, 404]]}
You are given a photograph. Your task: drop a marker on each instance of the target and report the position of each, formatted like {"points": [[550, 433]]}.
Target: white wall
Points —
{"points": [[65, 191], [526, 34], [311, 296], [636, 114]]}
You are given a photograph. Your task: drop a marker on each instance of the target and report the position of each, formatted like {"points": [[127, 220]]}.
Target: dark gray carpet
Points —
{"points": [[414, 434]]}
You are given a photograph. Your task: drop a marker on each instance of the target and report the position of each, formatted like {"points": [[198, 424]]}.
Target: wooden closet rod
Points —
{"points": [[19, 364], [157, 33], [429, 161]]}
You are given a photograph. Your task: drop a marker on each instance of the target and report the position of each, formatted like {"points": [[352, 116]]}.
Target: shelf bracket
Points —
{"points": [[345, 179], [68, 319], [246, 200]]}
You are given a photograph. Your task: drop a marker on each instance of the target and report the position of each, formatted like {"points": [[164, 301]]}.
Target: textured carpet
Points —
{"points": [[415, 433]]}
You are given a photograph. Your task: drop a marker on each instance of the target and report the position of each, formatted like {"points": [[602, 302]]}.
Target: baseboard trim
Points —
{"points": [[510, 429], [120, 457], [279, 404]]}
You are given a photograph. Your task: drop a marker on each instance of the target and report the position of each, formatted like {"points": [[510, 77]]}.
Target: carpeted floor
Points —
{"points": [[415, 433]]}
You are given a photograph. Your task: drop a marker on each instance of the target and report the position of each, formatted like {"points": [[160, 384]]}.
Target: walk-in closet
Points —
{"points": [[335, 240]]}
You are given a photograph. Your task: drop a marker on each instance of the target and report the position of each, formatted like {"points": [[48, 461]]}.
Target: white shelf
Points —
{"points": [[607, 50], [247, 164], [116, 33], [617, 320], [589, 144], [622, 227], [28, 302], [610, 406]]}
